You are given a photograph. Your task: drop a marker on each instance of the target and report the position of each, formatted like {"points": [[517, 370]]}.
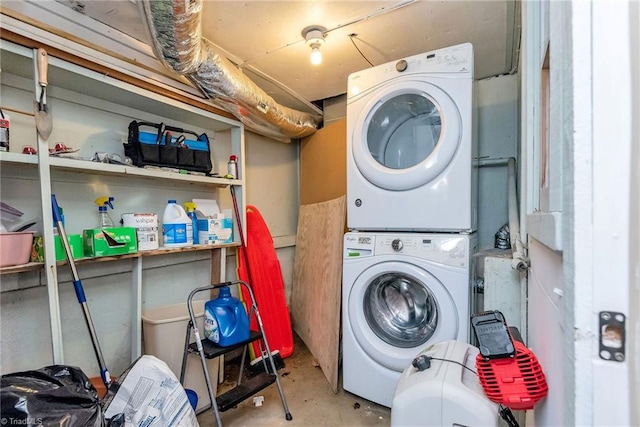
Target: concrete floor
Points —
{"points": [[309, 397]]}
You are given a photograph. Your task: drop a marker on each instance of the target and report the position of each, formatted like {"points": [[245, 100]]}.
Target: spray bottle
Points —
{"points": [[232, 167], [190, 207], [104, 220]]}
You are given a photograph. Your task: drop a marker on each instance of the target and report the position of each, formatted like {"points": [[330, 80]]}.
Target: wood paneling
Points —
{"points": [[323, 164], [317, 279]]}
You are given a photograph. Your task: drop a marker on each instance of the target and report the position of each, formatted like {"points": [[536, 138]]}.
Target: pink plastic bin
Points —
{"points": [[15, 248]]}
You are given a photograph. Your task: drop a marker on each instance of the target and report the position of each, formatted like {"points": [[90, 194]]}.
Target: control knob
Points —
{"points": [[401, 65], [396, 245]]}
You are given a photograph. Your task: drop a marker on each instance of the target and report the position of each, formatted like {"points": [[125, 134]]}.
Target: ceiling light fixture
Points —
{"points": [[314, 37]]}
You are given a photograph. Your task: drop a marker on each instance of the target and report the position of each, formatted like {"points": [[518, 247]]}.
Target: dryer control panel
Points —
{"points": [[452, 62]]}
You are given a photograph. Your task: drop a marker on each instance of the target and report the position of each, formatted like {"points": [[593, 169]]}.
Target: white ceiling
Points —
{"points": [[264, 37]]}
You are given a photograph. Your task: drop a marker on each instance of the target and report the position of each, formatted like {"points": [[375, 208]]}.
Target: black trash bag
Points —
{"points": [[55, 395]]}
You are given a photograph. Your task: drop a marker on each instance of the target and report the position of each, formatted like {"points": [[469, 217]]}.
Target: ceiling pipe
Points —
{"points": [[175, 27]]}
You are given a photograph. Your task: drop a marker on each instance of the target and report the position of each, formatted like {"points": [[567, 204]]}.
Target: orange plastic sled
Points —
{"points": [[265, 278]]}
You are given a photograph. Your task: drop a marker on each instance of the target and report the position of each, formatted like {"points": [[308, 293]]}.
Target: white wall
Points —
{"points": [[273, 188], [547, 331], [634, 295]]}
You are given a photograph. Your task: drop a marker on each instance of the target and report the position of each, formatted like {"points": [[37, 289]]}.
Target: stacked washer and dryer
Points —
{"points": [[411, 212]]}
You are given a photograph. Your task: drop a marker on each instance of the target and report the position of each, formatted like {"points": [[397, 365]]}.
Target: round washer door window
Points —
{"points": [[400, 310], [395, 308], [406, 135]]}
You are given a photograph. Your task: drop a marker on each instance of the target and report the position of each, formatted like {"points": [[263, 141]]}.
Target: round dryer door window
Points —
{"points": [[406, 136], [395, 308]]}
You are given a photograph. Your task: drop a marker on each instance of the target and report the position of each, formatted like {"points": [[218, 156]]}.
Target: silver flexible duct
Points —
{"points": [[175, 27]]}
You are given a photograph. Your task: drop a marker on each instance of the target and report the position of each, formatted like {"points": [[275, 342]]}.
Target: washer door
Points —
{"points": [[406, 135], [395, 308]]}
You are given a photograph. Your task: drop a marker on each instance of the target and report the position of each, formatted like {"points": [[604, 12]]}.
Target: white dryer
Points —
{"points": [[410, 144], [401, 292]]}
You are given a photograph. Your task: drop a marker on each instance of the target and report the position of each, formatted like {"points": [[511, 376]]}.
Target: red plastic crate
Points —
{"points": [[517, 383]]}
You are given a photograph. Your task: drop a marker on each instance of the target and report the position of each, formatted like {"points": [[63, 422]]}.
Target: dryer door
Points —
{"points": [[407, 134], [395, 308]]}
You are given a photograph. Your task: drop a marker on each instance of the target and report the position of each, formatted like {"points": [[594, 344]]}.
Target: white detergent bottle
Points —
{"points": [[177, 228]]}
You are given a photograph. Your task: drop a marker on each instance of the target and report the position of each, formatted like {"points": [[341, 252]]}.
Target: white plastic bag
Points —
{"points": [[151, 395]]}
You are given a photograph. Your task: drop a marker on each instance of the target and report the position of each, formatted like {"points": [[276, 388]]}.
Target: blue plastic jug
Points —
{"points": [[225, 319]]}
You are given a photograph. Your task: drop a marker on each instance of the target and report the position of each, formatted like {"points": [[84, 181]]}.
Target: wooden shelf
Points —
{"points": [[96, 168], [34, 266], [31, 266]]}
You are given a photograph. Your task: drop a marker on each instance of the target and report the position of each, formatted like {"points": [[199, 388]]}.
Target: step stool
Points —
{"points": [[207, 349]]}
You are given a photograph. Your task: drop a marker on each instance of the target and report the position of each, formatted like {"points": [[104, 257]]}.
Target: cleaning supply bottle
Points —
{"points": [[190, 207], [104, 220], [225, 319], [4, 131], [176, 226], [232, 166]]}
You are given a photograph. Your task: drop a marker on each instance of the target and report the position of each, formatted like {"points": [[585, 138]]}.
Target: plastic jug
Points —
{"points": [[177, 228], [225, 320]]}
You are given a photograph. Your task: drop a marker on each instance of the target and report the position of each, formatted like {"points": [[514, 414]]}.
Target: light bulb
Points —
{"points": [[316, 56]]}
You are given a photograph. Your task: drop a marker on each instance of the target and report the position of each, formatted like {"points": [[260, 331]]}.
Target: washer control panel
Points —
{"points": [[451, 249]]}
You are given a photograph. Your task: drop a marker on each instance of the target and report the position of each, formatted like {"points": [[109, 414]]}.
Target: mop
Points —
{"points": [[77, 284]]}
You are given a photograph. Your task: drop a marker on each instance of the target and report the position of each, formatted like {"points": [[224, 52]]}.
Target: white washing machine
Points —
{"points": [[410, 144], [401, 292]]}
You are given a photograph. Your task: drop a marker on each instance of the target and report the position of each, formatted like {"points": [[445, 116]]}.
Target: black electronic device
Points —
{"points": [[494, 339]]}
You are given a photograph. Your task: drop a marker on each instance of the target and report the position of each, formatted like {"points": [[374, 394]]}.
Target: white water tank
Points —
{"points": [[447, 393]]}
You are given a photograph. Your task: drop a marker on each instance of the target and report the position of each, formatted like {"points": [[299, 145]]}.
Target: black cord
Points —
{"points": [[507, 415], [456, 362], [351, 36]]}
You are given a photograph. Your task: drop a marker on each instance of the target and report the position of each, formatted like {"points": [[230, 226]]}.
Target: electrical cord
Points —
{"points": [[456, 362], [351, 36], [504, 412], [507, 415]]}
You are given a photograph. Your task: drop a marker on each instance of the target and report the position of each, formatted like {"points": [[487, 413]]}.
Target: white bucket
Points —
{"points": [[146, 225]]}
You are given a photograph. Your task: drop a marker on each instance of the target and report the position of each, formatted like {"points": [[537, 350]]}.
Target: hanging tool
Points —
{"points": [[77, 284], [44, 121], [243, 244], [243, 263]]}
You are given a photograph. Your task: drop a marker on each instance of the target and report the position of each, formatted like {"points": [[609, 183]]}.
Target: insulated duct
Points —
{"points": [[176, 33]]}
